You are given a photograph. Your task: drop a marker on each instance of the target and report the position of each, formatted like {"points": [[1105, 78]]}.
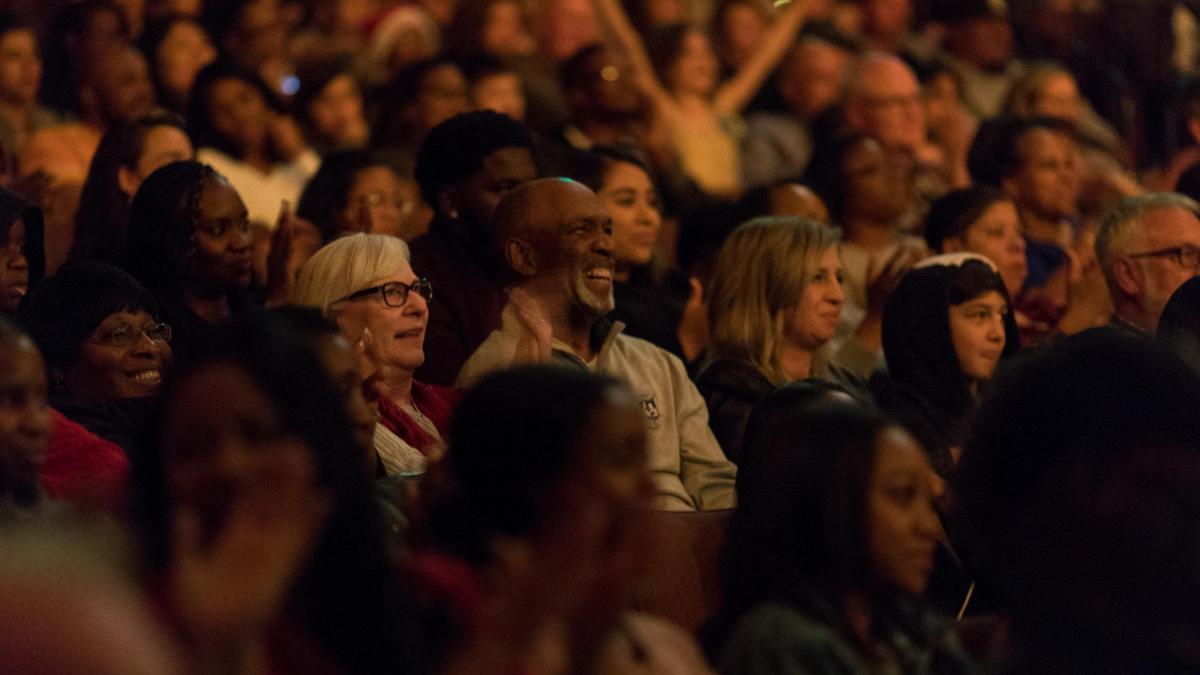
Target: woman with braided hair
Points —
{"points": [[190, 246]]}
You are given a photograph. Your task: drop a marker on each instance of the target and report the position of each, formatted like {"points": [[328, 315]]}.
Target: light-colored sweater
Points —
{"points": [[688, 468]]}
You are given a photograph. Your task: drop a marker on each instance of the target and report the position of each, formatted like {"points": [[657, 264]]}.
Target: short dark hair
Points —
{"points": [[328, 190], [995, 153], [952, 214], [103, 214], [63, 311], [1179, 325], [513, 438], [455, 149]]}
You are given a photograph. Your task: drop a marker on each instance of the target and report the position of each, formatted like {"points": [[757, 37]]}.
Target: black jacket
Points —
{"points": [[731, 388]]}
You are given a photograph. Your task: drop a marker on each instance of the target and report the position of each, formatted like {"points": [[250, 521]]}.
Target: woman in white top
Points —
{"points": [[242, 132]]}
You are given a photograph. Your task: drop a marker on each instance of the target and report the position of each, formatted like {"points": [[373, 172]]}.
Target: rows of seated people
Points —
{"points": [[596, 336]]}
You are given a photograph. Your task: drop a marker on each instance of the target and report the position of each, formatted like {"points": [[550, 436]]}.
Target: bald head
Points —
{"points": [[883, 101], [538, 207]]}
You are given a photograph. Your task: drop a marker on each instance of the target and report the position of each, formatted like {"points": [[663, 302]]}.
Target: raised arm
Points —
{"points": [[736, 92], [616, 22]]}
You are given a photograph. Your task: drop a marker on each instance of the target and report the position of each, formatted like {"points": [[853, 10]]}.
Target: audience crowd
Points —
{"points": [[548, 337]]}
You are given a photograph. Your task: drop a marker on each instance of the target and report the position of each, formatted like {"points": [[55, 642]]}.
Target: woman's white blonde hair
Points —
{"points": [[762, 270], [346, 265]]}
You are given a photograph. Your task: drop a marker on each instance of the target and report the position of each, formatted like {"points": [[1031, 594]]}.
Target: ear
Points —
{"points": [[1193, 127], [952, 245], [521, 257], [1009, 185], [1126, 277], [127, 181], [447, 201]]}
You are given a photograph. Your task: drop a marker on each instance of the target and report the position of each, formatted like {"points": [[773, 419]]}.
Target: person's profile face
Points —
{"points": [[1159, 276], [183, 53], [902, 525], [340, 361], [381, 193], [443, 94], [977, 332], [397, 333], [579, 254], [632, 202], [123, 86], [814, 318], [14, 268], [220, 259]]}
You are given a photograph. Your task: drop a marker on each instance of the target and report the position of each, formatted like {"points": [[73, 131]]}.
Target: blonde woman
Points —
{"points": [[366, 284], [774, 299]]}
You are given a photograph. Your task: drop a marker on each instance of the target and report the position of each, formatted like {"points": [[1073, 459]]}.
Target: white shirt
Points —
{"points": [[262, 193]]}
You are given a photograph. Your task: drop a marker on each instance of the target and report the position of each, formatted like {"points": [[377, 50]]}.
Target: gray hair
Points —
{"points": [[1117, 224], [346, 265]]}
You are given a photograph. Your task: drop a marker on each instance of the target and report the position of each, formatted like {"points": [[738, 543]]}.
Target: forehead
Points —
{"points": [[513, 162], [1039, 142], [885, 77], [1169, 226]]}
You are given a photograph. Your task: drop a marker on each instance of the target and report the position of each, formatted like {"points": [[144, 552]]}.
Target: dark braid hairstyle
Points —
{"points": [[162, 225]]}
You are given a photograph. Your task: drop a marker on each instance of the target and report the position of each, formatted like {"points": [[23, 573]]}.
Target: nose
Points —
{"points": [[603, 243], [242, 240], [35, 423], [144, 346], [837, 292], [18, 263], [416, 304], [996, 329]]}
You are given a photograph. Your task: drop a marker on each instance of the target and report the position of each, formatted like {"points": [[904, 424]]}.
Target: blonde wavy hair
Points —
{"points": [[762, 270], [346, 265]]}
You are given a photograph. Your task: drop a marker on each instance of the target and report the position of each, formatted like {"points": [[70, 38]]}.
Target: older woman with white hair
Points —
{"points": [[366, 284]]}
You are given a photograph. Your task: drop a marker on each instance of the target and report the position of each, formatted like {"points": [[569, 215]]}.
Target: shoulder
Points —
{"points": [[733, 377], [775, 638]]}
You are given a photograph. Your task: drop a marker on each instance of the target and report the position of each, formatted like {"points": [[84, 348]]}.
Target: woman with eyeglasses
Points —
{"points": [[366, 284], [107, 350], [190, 245]]}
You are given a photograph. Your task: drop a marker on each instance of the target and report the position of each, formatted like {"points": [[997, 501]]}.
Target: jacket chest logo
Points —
{"points": [[650, 410]]}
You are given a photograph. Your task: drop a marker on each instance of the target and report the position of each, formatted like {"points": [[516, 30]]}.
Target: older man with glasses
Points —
{"points": [[1148, 246]]}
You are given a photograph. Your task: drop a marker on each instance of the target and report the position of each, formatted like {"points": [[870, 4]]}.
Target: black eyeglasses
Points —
{"points": [[395, 293], [125, 335], [1187, 256]]}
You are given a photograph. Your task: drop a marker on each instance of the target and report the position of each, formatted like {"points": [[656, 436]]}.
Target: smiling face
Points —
{"points": [[220, 260], [630, 199], [813, 320], [586, 255], [902, 524], [106, 371], [397, 333], [977, 331]]}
